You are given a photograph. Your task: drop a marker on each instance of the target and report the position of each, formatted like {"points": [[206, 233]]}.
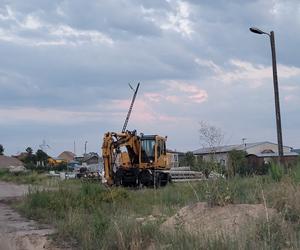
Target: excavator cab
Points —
{"points": [[153, 151], [147, 149]]}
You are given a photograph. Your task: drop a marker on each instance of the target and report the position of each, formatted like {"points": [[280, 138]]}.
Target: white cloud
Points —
{"points": [[49, 34], [81, 36], [210, 64], [60, 11], [31, 23], [289, 88], [177, 19], [48, 115], [255, 75], [9, 15]]}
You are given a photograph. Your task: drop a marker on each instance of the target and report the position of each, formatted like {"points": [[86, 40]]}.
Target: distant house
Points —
{"points": [[296, 151], [173, 157], [66, 156], [260, 152], [89, 159], [10, 163]]}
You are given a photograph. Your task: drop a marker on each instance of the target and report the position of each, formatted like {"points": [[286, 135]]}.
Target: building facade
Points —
{"points": [[265, 151]]}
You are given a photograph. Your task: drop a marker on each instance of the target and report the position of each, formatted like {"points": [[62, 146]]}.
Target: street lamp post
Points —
{"points": [[276, 91], [85, 147]]}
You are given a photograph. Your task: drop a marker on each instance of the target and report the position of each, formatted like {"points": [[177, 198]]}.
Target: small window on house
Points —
{"points": [[222, 162]]}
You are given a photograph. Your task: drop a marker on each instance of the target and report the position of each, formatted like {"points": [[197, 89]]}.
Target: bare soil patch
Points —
{"points": [[17, 232], [218, 220]]}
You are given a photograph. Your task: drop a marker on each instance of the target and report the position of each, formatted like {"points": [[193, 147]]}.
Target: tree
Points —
{"points": [[210, 137], [30, 157], [188, 159], [238, 163], [29, 150], [41, 157], [1, 149]]}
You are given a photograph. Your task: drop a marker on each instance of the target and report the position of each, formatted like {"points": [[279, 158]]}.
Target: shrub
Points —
{"points": [[276, 172], [237, 159], [219, 194], [295, 173]]}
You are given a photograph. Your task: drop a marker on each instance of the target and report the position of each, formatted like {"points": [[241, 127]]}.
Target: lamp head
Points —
{"points": [[256, 30]]}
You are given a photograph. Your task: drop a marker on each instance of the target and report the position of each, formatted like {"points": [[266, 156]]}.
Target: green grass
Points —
{"points": [[29, 177], [91, 216]]}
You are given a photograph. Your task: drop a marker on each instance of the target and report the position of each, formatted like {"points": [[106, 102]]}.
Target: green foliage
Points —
{"points": [[1, 149], [295, 172], [30, 157], [44, 169], [207, 166], [29, 177], [29, 150], [188, 159], [41, 155], [237, 163], [219, 195], [276, 171]]}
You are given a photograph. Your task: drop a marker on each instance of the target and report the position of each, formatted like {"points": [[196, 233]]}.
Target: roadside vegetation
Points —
{"points": [[26, 177], [92, 216]]}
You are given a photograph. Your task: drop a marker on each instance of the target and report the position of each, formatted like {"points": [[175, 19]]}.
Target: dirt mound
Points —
{"points": [[11, 163], [199, 218]]}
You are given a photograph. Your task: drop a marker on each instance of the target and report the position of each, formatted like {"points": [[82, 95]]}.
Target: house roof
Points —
{"points": [[296, 150], [174, 151], [6, 162], [66, 155], [275, 154], [227, 148]]}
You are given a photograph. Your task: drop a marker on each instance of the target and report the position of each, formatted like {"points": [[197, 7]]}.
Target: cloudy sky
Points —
{"points": [[65, 68]]}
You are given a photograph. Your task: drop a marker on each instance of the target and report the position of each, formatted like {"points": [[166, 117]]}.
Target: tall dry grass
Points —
{"points": [[90, 216]]}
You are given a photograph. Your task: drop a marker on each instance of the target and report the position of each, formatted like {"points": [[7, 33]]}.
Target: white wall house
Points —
{"points": [[261, 149]]}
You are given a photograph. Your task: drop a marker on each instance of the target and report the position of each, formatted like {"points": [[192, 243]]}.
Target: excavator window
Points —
{"points": [[148, 150]]}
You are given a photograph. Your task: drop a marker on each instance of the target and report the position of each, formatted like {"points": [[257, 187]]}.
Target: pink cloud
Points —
{"points": [[290, 98], [172, 98], [154, 97], [188, 92]]}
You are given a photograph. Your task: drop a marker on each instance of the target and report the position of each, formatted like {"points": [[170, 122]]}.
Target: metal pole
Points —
{"points": [[276, 95], [85, 147]]}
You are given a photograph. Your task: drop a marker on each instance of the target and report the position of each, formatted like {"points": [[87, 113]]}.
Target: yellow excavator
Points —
{"points": [[135, 160]]}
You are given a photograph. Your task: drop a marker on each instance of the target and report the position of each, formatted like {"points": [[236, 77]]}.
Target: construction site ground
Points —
{"points": [[213, 213], [17, 232]]}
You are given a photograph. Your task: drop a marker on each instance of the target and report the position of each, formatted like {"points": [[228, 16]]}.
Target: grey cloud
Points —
{"points": [[81, 74]]}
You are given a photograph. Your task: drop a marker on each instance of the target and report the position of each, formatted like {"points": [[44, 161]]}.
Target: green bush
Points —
{"points": [[237, 162], [276, 171], [295, 173]]}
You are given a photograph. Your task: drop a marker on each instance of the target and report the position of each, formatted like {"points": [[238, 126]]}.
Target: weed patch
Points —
{"points": [[92, 216]]}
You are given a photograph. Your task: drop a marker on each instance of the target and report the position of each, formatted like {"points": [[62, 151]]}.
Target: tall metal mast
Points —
{"points": [[131, 106]]}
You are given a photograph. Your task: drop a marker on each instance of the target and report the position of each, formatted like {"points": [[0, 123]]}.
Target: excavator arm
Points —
{"points": [[112, 143]]}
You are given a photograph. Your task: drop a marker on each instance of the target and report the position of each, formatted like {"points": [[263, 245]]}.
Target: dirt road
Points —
{"points": [[16, 232]]}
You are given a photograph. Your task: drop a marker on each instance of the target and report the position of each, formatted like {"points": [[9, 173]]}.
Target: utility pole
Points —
{"points": [[276, 92], [276, 95]]}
